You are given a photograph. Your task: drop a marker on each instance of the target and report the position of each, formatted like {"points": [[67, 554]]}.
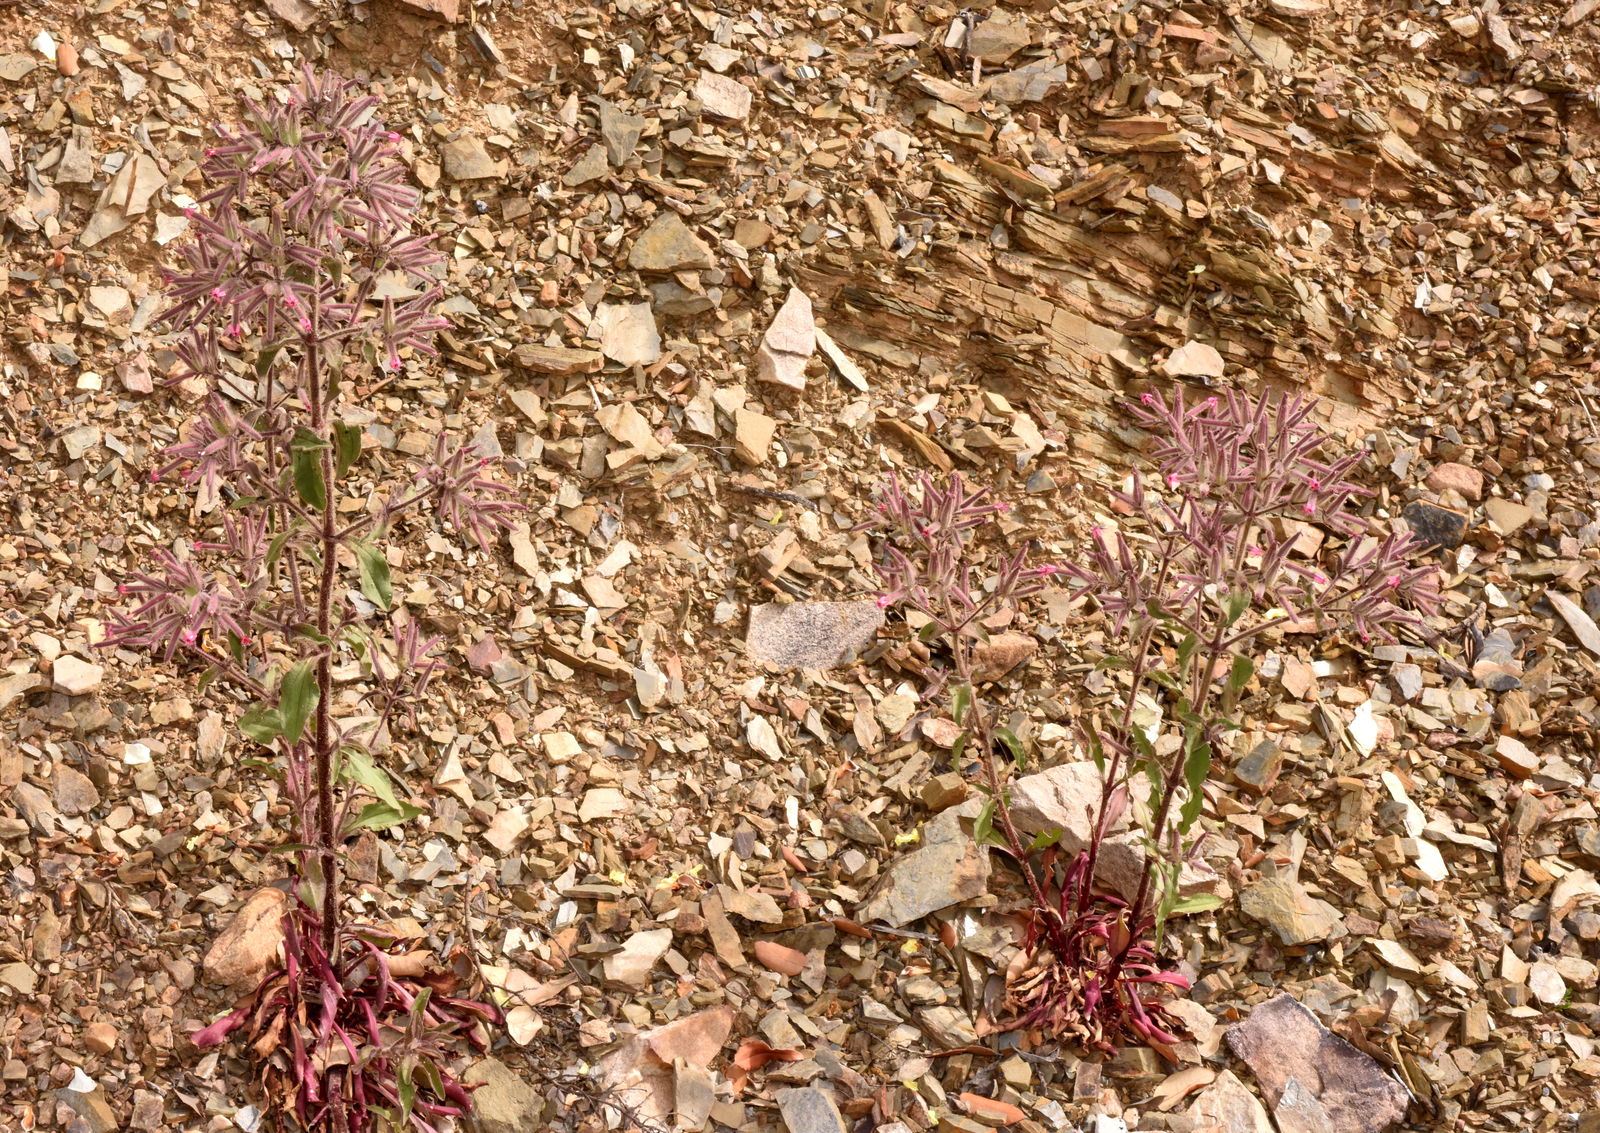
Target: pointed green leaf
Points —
{"points": [[1008, 739], [381, 816], [983, 830], [961, 700], [1196, 766], [1238, 603], [1198, 903], [1097, 752], [262, 724], [1044, 839], [347, 441], [1186, 649], [305, 454], [359, 768], [374, 575], [297, 696], [264, 360], [928, 632], [1239, 675]]}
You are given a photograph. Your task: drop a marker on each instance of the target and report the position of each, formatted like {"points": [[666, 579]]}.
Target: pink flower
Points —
{"points": [[290, 301], [1309, 508], [235, 330], [1394, 581], [1211, 403], [1147, 398], [155, 475], [884, 601], [218, 294], [394, 362], [123, 588], [1172, 479], [1316, 485], [305, 324], [189, 636]]}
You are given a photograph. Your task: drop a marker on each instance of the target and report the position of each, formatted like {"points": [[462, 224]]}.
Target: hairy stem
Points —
{"points": [[329, 539]]}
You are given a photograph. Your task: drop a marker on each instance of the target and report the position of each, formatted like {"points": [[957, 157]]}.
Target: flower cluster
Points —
{"points": [[926, 559], [1244, 482]]}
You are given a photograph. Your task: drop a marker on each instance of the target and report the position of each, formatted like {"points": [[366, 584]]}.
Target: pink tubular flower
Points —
{"points": [[1172, 479], [884, 601], [218, 294], [394, 363], [305, 324], [1309, 508], [235, 330], [290, 301], [1147, 398]]}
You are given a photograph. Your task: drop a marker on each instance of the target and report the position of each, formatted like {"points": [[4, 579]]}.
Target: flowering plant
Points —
{"points": [[304, 277], [1227, 544]]}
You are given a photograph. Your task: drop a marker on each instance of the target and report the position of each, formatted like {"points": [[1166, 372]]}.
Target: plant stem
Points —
{"points": [[329, 540]]}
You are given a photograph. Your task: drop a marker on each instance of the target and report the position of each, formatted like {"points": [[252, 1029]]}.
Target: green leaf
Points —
{"points": [[347, 442], [983, 829], [1238, 602], [206, 678], [1009, 741], [1165, 679], [305, 453], [961, 700], [275, 548], [1097, 752], [1044, 839], [1186, 649], [1110, 662], [262, 724], [297, 696], [1198, 903], [1241, 672], [429, 1074], [408, 1092], [235, 647], [381, 816], [359, 768], [264, 360], [958, 749], [928, 632], [984, 826], [374, 575], [1196, 766]]}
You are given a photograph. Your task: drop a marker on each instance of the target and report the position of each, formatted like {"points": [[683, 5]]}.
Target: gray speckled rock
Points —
{"points": [[811, 635]]}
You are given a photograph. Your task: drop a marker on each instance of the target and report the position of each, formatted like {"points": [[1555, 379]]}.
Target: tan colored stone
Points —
{"points": [[252, 942]]}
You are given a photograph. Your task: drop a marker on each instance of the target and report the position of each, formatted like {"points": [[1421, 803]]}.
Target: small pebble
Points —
{"points": [[67, 59], [100, 1037]]}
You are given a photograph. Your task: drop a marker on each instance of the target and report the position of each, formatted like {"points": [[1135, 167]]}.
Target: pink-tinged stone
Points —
{"points": [[1283, 1042], [1457, 478]]}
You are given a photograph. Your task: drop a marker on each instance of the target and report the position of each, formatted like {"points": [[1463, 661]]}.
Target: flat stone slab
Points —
{"points": [[1283, 1042], [811, 635]]}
